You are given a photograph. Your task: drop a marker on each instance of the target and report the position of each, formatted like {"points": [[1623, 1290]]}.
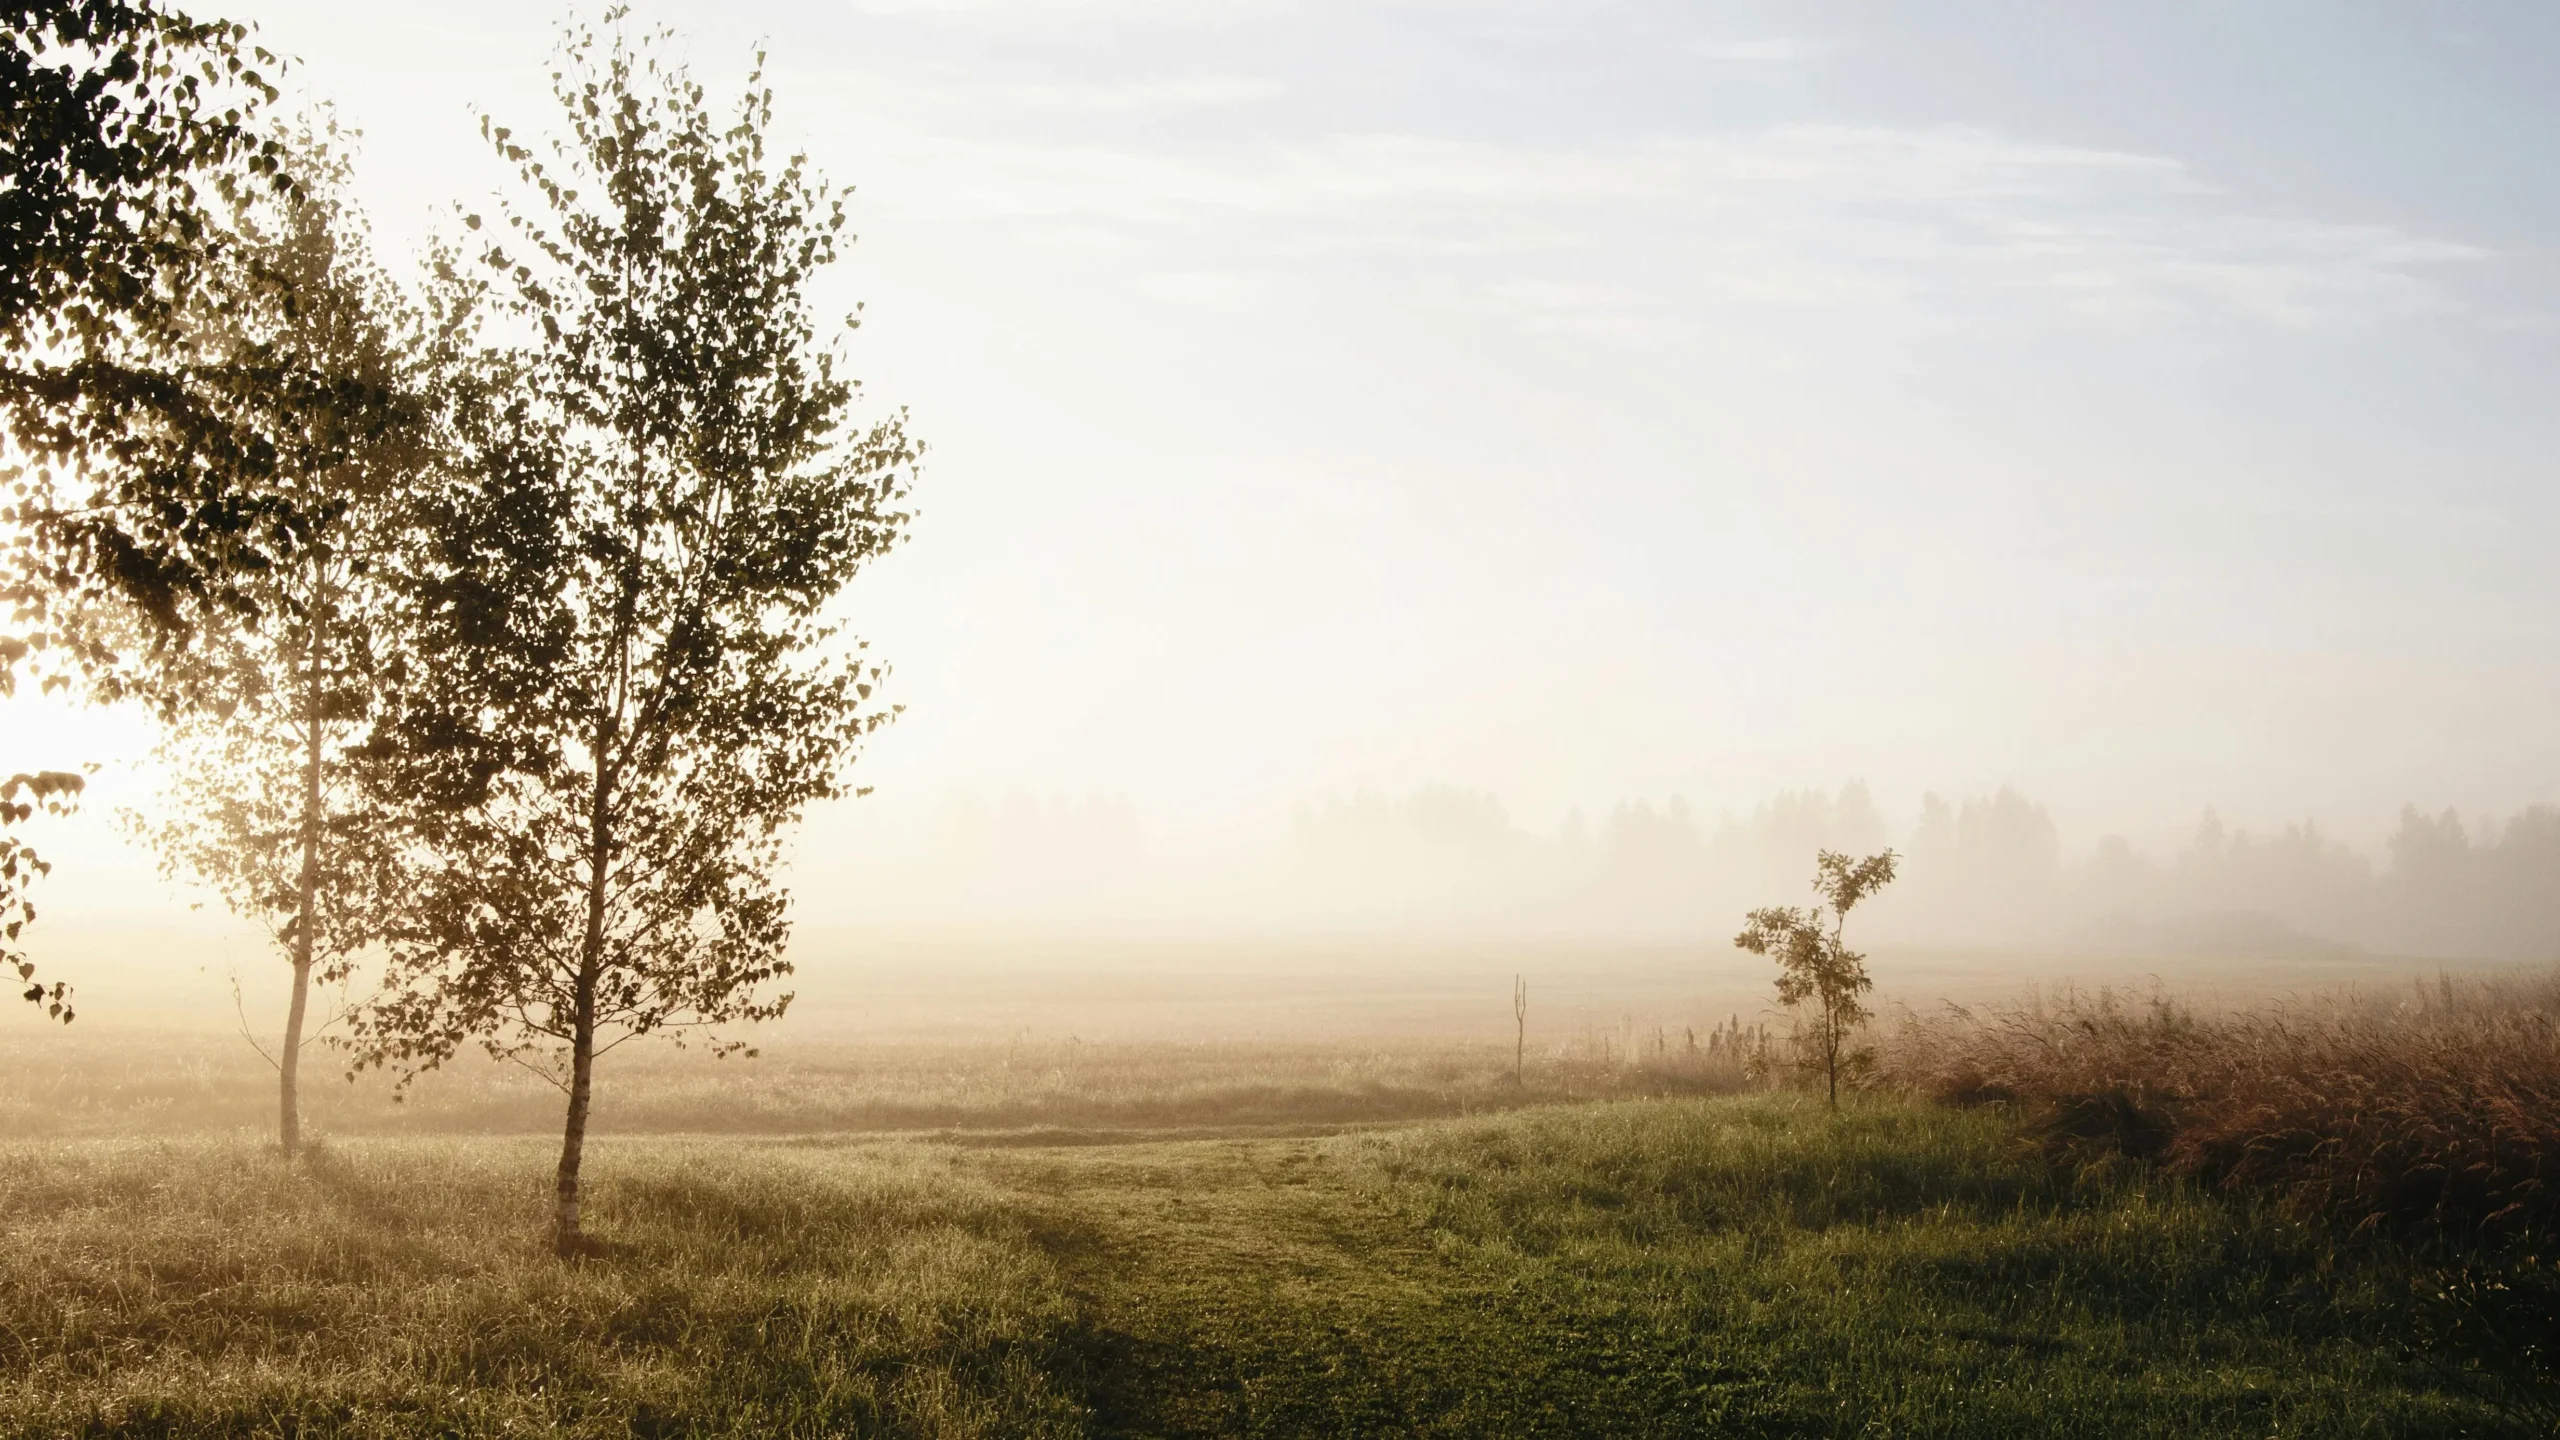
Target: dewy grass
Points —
{"points": [[1746, 1266], [404, 1288], [1907, 1271]]}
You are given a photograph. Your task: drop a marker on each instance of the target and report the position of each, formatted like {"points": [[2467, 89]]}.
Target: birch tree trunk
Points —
{"points": [[307, 906], [567, 1237]]}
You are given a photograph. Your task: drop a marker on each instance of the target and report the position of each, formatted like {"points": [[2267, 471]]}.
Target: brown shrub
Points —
{"points": [[2439, 1111]]}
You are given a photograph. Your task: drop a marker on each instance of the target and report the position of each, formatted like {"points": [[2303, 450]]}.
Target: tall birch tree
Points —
{"points": [[625, 676]]}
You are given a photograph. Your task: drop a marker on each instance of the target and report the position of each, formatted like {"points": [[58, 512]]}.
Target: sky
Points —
{"points": [[2145, 405]]}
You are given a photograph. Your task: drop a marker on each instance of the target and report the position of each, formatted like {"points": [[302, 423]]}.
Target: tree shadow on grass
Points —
{"points": [[378, 1201], [1255, 1342], [1469, 1372], [1134, 1385]]}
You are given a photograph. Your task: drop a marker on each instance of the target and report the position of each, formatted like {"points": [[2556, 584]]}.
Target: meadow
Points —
{"points": [[1744, 1265], [1071, 1238]]}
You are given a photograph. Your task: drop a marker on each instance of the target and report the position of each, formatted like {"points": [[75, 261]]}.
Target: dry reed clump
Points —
{"points": [[2439, 1113]]}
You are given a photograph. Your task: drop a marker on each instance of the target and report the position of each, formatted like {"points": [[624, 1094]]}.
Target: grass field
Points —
{"points": [[1743, 1265], [110, 1084]]}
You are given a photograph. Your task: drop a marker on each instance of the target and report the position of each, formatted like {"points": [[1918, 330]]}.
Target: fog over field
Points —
{"points": [[1444, 478], [983, 915]]}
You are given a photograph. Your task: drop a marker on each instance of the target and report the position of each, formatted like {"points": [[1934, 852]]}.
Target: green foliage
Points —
{"points": [[622, 676], [118, 110], [127, 139], [22, 798], [131, 145], [1816, 966]]}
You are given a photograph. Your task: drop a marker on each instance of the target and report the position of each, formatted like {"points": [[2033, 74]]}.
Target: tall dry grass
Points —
{"points": [[2432, 1115], [2437, 1108]]}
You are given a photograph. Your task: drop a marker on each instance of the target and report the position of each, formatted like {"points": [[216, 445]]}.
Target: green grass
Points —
{"points": [[399, 1288], [1744, 1266]]}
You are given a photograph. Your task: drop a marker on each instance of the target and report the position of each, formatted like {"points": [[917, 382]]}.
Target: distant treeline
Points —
{"points": [[1988, 870]]}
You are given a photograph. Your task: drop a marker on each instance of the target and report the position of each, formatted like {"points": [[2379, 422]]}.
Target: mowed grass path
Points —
{"points": [[1681, 1267]]}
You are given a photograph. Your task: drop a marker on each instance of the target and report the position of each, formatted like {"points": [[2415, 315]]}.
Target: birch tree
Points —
{"points": [[625, 676], [267, 712]]}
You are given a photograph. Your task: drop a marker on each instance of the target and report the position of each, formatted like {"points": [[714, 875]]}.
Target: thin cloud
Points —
{"points": [[1050, 14], [1822, 216], [1189, 93], [1777, 50]]}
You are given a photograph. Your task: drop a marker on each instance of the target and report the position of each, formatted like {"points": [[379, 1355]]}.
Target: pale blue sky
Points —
{"points": [[2146, 404]]}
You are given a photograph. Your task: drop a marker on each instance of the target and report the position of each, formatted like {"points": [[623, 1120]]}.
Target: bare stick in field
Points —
{"points": [[1520, 1038]]}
